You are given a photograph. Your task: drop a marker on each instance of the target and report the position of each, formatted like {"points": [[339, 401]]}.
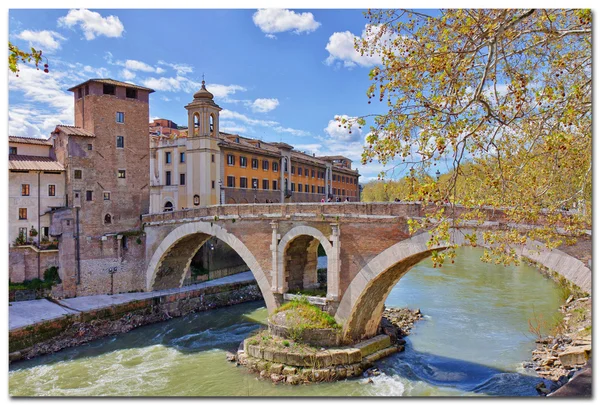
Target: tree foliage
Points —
{"points": [[503, 99], [16, 56]]}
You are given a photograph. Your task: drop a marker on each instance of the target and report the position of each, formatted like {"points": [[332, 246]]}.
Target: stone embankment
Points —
{"points": [[286, 361], [557, 358], [86, 326]]}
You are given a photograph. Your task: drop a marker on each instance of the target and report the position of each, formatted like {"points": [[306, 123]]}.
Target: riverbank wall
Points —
{"points": [[78, 327]]}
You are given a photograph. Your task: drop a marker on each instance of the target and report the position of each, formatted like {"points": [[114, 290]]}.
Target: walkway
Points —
{"points": [[25, 313]]}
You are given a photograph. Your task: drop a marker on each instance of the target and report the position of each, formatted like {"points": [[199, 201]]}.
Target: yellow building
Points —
{"points": [[199, 166]]}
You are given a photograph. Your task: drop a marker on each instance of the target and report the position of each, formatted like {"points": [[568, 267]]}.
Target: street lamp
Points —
{"points": [[254, 187], [437, 175], [220, 192]]}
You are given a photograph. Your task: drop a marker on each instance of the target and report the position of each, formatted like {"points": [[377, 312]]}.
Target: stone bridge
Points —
{"points": [[368, 249]]}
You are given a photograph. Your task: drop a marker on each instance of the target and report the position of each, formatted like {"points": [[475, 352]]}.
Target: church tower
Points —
{"points": [[203, 153]]}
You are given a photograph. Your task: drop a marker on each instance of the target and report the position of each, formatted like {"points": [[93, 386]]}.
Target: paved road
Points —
{"points": [[24, 313]]}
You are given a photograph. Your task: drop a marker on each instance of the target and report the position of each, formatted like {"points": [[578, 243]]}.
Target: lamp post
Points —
{"points": [[220, 192], [437, 175], [254, 187]]}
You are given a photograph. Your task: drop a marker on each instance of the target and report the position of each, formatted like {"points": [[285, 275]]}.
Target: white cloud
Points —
{"points": [[181, 83], [47, 41], [180, 68], [274, 125], [341, 47], [127, 74], [92, 23], [264, 105], [335, 129], [273, 20], [137, 65]]}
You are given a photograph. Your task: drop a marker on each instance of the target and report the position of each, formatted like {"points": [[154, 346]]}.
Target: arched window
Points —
{"points": [[211, 123], [107, 219], [196, 123], [168, 206]]}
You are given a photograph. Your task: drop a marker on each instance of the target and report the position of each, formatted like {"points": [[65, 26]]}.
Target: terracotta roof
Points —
{"points": [[25, 162], [334, 157], [114, 83], [32, 141], [71, 130]]}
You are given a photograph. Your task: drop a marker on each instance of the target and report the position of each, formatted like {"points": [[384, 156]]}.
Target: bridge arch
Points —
{"points": [[174, 254], [363, 301], [303, 236]]}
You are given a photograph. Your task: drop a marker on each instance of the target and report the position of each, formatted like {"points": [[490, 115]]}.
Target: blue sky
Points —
{"points": [[279, 75]]}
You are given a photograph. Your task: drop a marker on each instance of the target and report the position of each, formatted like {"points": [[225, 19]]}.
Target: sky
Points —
{"points": [[279, 74]]}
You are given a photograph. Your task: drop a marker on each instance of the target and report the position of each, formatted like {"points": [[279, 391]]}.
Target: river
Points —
{"points": [[472, 342]]}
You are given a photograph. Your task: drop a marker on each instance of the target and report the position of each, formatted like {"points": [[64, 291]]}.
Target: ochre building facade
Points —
{"points": [[200, 165]]}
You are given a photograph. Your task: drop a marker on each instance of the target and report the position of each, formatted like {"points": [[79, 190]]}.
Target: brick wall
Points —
{"points": [[23, 263]]}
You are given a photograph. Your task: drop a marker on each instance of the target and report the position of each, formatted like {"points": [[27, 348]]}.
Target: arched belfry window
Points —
{"points": [[196, 123], [211, 123], [168, 206]]}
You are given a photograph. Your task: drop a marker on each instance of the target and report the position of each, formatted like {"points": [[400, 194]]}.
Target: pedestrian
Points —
{"points": [[322, 200], [337, 199]]}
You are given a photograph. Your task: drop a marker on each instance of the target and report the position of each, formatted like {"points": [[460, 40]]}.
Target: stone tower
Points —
{"points": [[203, 153]]}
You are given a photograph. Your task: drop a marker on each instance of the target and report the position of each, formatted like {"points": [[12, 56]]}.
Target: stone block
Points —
{"points": [[268, 354], [262, 365], [306, 374], [321, 374], [287, 370], [574, 356], [354, 355], [295, 359], [279, 357], [293, 379], [276, 368], [374, 344], [323, 359], [338, 357]]}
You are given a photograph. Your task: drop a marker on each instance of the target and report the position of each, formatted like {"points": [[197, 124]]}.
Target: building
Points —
{"points": [[200, 165], [36, 186]]}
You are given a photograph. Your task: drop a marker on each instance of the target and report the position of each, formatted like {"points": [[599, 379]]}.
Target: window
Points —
{"points": [[212, 158], [312, 173], [312, 189], [106, 195], [120, 117], [24, 189], [293, 186], [79, 92], [87, 89], [89, 194], [109, 89], [182, 157], [51, 190], [182, 179], [243, 182], [120, 142], [237, 139], [343, 192], [299, 171], [168, 178], [275, 166], [275, 185], [12, 150], [168, 157], [230, 181], [212, 183], [266, 165], [45, 231], [23, 232], [168, 206], [22, 213], [77, 174], [243, 161], [265, 184], [89, 146], [306, 172], [107, 219], [255, 163], [231, 160], [211, 123], [254, 183], [293, 169], [306, 188], [121, 174], [131, 93]]}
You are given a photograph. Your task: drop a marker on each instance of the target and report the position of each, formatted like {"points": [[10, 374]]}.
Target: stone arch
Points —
{"points": [[211, 124], [285, 242], [168, 205], [196, 123], [362, 304], [230, 200], [174, 255]]}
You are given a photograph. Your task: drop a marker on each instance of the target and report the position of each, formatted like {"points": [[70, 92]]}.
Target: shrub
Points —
{"points": [[51, 276]]}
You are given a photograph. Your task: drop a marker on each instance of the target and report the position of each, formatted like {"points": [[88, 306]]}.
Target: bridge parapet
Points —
{"points": [[331, 210]]}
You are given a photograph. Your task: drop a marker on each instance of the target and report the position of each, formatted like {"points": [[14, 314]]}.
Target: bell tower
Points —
{"points": [[203, 153]]}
